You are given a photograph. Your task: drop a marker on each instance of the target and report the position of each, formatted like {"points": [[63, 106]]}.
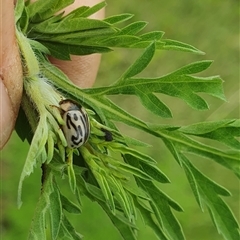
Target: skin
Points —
{"points": [[82, 70]]}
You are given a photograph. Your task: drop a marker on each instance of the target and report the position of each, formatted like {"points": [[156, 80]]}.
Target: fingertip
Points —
{"points": [[6, 116], [81, 70]]}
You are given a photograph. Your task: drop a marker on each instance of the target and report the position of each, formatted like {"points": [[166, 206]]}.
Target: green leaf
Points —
{"points": [[19, 9], [122, 225], [152, 103], [67, 231], [38, 47], [23, 129], [134, 162], [135, 142], [78, 12], [68, 50], [180, 46], [141, 63], [160, 205], [134, 171], [185, 144], [118, 18], [208, 192], [41, 10], [88, 38], [193, 68], [225, 131], [176, 84], [71, 177], [152, 36], [138, 155], [133, 28], [154, 172], [111, 111], [69, 25], [148, 220], [38, 224], [90, 11], [70, 206], [55, 211], [106, 190], [206, 127], [121, 184], [37, 146], [27, 54], [119, 41]]}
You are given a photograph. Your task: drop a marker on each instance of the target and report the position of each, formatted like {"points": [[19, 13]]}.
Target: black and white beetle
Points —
{"points": [[77, 125]]}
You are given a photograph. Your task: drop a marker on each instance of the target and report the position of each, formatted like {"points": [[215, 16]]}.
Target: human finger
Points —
{"points": [[10, 72]]}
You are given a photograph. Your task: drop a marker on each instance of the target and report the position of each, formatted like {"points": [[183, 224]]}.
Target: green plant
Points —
{"points": [[95, 169]]}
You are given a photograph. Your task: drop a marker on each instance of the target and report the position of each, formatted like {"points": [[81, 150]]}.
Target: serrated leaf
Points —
{"points": [[176, 84], [36, 149], [111, 112], [92, 36]]}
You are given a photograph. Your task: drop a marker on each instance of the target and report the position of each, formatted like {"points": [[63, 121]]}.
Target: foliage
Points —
{"points": [[107, 169]]}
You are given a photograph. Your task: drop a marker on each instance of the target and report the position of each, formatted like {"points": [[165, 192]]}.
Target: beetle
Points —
{"points": [[77, 125]]}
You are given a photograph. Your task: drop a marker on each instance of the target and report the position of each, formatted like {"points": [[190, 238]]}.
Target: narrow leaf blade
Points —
{"points": [[141, 63]]}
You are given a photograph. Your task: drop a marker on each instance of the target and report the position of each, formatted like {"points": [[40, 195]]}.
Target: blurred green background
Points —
{"points": [[213, 27]]}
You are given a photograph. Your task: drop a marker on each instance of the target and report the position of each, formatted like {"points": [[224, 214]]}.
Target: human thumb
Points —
{"points": [[10, 72]]}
